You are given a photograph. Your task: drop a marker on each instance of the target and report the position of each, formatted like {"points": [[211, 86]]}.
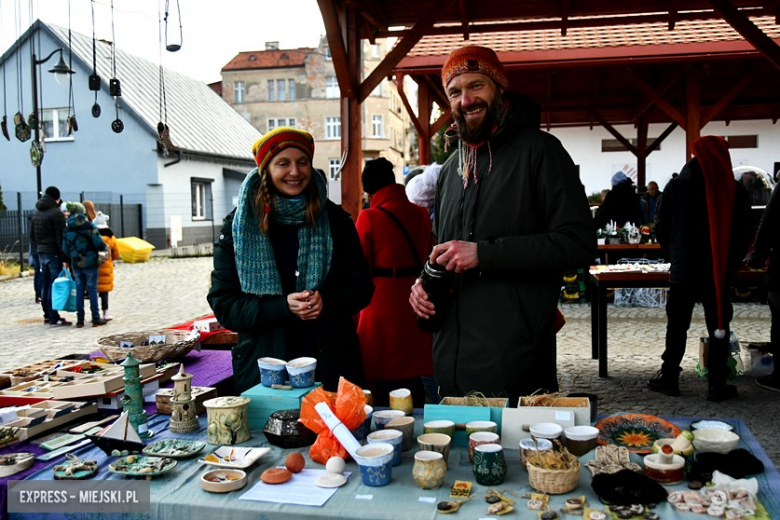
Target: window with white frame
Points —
{"points": [[201, 199], [333, 128], [377, 92], [281, 89], [239, 91], [271, 90], [331, 87], [375, 50], [377, 125], [334, 163], [276, 122], [54, 124], [291, 89]]}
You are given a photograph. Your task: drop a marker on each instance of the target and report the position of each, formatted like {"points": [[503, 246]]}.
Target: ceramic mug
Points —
{"points": [[392, 437], [429, 469], [362, 431], [401, 399], [272, 371], [481, 426], [444, 426], [528, 447], [301, 371], [375, 462], [406, 426], [382, 417], [438, 442], [480, 438], [489, 465]]}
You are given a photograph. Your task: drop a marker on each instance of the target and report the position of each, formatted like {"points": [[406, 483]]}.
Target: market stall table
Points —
{"points": [[178, 494], [602, 279], [625, 250]]}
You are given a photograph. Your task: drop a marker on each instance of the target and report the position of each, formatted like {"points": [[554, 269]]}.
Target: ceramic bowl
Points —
{"points": [[376, 463], [528, 446], [301, 372], [283, 429], [272, 371], [382, 417], [223, 480], [546, 430], [710, 439], [580, 439], [362, 431], [664, 473], [393, 437]]}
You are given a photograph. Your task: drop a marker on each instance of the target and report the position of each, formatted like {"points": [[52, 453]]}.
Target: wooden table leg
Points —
{"points": [[594, 318], [602, 339]]}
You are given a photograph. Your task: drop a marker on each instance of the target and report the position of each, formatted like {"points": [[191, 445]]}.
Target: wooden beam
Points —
{"points": [[564, 16], [672, 14], [660, 139], [424, 137], [464, 18], [662, 89], [612, 130], [692, 109], [735, 89], [352, 124], [444, 118], [333, 21], [401, 48], [641, 151], [371, 11], [742, 24], [437, 91], [651, 93], [399, 86]]}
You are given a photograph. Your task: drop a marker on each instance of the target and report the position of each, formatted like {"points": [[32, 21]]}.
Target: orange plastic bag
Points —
{"points": [[348, 403]]}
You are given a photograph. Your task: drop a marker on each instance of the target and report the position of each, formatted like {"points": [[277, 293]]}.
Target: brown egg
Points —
{"points": [[275, 476], [295, 462]]}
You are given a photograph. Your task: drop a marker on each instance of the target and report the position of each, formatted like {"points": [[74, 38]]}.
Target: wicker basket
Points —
{"points": [[553, 481], [177, 344]]}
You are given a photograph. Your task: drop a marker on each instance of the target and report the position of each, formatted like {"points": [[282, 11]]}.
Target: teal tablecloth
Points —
{"points": [[178, 494]]}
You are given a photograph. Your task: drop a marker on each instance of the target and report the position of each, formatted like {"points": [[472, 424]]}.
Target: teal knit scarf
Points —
{"points": [[254, 254]]}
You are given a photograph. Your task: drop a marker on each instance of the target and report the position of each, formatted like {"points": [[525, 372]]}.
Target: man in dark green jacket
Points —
{"points": [[511, 216]]}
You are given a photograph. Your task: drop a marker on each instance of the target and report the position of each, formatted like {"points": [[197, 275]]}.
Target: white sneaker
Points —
{"points": [[107, 316]]}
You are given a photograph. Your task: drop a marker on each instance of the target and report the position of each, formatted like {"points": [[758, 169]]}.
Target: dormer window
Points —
{"points": [[252, 57]]}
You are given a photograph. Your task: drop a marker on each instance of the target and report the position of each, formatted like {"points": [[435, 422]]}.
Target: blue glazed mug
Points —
{"points": [[272, 371], [375, 462], [301, 372], [362, 431], [489, 465], [389, 436]]}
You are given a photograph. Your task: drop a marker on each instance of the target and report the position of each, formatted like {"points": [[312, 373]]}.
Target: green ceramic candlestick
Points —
{"points": [[133, 400]]}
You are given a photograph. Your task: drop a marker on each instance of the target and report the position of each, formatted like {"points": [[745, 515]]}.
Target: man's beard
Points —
{"points": [[482, 131]]}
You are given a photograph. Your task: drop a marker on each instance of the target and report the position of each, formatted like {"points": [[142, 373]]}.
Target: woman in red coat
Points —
{"points": [[396, 353]]}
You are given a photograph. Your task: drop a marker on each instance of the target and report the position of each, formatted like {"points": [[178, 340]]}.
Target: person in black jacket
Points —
{"points": [[706, 226], [48, 225], [289, 271], [767, 245], [622, 204]]}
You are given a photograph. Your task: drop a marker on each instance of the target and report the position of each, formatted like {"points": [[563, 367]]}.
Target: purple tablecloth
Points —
{"points": [[208, 368]]}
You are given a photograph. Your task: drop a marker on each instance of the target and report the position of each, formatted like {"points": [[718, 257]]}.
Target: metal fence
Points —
{"points": [[124, 220]]}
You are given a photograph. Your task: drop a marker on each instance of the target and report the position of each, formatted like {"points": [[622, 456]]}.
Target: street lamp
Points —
{"points": [[60, 70]]}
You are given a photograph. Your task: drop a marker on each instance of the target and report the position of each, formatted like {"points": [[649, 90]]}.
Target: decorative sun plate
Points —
{"points": [[637, 432], [174, 448], [140, 466]]}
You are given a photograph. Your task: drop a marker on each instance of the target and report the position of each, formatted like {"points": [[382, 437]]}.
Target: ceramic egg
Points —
{"points": [[295, 462], [335, 465]]}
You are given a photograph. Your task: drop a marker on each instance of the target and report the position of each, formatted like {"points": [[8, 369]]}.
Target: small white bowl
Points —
{"points": [[217, 481], [710, 439], [546, 430]]}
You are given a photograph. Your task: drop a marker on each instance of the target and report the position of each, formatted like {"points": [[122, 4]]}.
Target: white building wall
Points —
{"points": [[597, 167]]}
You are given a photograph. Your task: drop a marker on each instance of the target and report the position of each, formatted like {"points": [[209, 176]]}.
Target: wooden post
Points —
{"points": [[692, 109], [351, 124], [641, 149]]}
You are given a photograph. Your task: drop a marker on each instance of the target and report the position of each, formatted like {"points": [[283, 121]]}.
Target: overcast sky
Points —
{"points": [[214, 31]]}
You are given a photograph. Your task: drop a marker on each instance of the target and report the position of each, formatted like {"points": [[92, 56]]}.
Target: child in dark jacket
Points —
{"points": [[82, 242]]}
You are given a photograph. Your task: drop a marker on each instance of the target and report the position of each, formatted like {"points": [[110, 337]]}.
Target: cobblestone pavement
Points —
{"points": [[165, 291]]}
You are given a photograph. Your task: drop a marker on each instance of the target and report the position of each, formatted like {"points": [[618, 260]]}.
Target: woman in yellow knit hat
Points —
{"points": [[289, 272]]}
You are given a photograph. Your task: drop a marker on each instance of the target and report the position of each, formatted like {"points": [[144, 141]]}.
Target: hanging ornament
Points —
{"points": [[4, 122], [22, 130], [71, 123], [163, 130], [32, 120], [94, 79], [4, 126], [117, 125], [172, 46], [36, 153]]}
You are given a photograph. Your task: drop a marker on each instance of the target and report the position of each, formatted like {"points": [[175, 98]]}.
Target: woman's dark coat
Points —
{"points": [[262, 322]]}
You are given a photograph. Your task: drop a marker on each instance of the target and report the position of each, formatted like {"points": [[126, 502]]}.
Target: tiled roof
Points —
{"points": [[272, 59], [634, 35], [200, 120]]}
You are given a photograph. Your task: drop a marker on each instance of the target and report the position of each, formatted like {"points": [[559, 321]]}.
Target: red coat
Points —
{"points": [[392, 344]]}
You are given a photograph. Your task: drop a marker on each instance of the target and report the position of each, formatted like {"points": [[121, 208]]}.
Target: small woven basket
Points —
{"points": [[177, 344], [553, 481]]}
